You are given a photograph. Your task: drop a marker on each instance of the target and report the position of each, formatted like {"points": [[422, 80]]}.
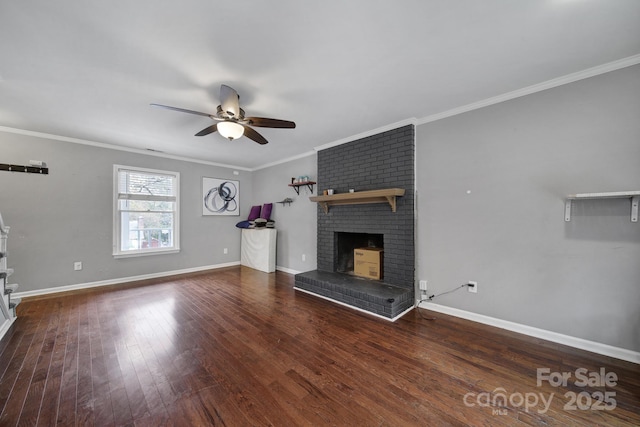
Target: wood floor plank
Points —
{"points": [[66, 409], [102, 409], [236, 346], [84, 384], [24, 368], [158, 391], [53, 376]]}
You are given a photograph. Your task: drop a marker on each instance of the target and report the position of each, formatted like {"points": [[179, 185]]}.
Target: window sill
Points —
{"points": [[146, 253]]}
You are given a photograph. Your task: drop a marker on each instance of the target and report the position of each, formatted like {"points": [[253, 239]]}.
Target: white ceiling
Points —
{"points": [[89, 69]]}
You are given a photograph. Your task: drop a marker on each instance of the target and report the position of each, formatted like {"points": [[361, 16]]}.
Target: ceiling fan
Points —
{"points": [[231, 121]]}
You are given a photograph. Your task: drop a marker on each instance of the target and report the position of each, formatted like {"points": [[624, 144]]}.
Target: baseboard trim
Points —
{"points": [[582, 344], [389, 319], [287, 270], [120, 280]]}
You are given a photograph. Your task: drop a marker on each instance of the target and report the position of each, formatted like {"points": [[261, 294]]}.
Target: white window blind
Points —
{"points": [[146, 211]]}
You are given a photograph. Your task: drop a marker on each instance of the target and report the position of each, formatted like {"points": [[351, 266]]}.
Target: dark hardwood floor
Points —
{"points": [[240, 347]]}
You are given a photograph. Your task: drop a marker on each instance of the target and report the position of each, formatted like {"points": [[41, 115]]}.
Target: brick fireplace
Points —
{"points": [[381, 161]]}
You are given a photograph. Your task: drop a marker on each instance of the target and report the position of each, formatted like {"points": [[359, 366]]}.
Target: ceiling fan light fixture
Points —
{"points": [[230, 130], [230, 120]]}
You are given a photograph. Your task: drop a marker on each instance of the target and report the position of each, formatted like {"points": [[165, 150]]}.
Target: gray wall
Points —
{"points": [[66, 216], [296, 223], [519, 159]]}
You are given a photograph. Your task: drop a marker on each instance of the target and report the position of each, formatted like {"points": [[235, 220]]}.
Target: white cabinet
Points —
{"points": [[258, 249]]}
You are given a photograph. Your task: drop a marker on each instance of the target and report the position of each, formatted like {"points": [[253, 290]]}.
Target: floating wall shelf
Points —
{"points": [[360, 197], [633, 195], [287, 201], [296, 186]]}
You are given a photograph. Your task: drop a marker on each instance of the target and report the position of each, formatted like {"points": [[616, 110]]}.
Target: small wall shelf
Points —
{"points": [[633, 195], [26, 169], [296, 186], [360, 197], [287, 201]]}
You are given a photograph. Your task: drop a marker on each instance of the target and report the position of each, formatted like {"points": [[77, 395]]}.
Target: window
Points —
{"points": [[146, 211]]}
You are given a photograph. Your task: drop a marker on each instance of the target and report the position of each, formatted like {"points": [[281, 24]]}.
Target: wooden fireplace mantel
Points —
{"points": [[387, 195]]}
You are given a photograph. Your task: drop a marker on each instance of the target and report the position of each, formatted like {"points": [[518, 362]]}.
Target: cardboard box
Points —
{"points": [[368, 262]]}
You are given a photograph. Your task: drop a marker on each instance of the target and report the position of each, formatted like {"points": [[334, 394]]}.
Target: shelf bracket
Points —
{"points": [[567, 210], [392, 202], [634, 208], [310, 186]]}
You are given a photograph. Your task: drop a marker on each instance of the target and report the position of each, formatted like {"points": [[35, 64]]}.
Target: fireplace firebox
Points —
{"points": [[345, 243]]}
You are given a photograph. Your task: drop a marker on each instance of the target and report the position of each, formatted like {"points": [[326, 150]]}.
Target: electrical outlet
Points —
{"points": [[472, 287], [423, 285], [77, 266], [304, 257], [225, 251]]}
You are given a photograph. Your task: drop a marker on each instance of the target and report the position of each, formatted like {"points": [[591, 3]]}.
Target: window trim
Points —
{"points": [[117, 225]]}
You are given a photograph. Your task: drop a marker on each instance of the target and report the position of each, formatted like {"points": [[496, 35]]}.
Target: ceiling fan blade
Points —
{"points": [[182, 110], [230, 101], [270, 123], [208, 130], [252, 134]]}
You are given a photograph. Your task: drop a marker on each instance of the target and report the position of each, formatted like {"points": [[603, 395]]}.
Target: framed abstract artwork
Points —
{"points": [[220, 197]]}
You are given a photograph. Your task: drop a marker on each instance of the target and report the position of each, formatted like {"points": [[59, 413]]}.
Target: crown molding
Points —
{"points": [[116, 147], [396, 125], [539, 87], [569, 78], [288, 159]]}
